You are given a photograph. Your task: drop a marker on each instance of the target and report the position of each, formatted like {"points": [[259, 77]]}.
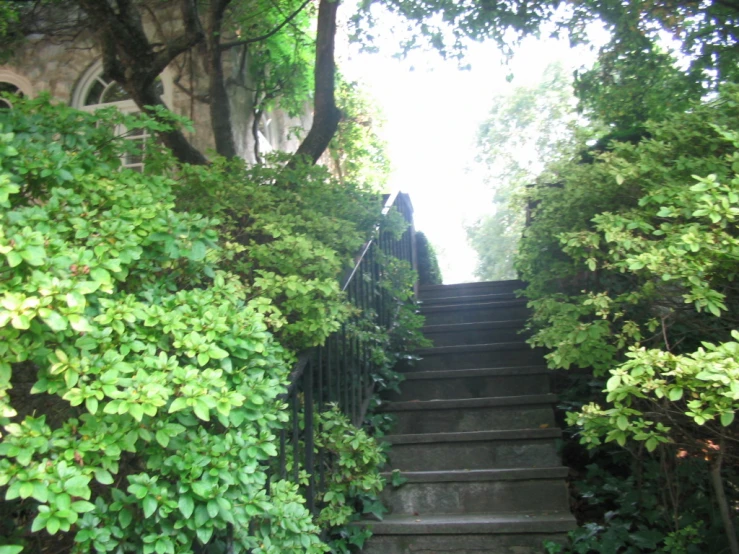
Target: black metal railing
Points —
{"points": [[342, 371]]}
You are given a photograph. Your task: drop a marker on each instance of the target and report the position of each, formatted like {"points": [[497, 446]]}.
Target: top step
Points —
{"points": [[432, 292]]}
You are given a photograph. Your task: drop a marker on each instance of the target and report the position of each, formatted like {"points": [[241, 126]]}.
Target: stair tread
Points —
{"points": [[513, 284], [465, 348], [490, 401], [473, 436], [469, 298], [461, 327], [467, 307], [489, 523], [476, 372], [505, 474]]}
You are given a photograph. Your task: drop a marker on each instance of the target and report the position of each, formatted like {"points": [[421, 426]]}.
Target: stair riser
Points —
{"points": [[474, 455], [474, 419], [477, 497], [524, 356], [473, 314], [470, 289], [530, 543], [476, 336], [472, 387]]}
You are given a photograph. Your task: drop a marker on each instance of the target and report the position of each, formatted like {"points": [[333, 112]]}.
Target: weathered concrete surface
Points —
{"points": [[475, 435]]}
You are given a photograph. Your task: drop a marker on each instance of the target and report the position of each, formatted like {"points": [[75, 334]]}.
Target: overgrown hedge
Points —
{"points": [[631, 264], [429, 272], [144, 346]]}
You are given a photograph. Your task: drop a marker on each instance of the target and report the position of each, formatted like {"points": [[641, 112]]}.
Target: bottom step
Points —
{"points": [[468, 534]]}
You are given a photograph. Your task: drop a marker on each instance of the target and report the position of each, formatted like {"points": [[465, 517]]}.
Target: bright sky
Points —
{"points": [[433, 113]]}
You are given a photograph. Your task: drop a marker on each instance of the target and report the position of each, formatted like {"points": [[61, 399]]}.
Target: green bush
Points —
{"points": [[631, 263], [142, 355], [429, 272]]}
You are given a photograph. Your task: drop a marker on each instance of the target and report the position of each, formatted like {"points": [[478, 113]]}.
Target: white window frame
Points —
{"points": [[93, 75], [13, 78]]}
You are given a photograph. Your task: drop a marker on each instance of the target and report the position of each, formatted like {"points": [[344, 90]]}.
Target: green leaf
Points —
{"points": [[103, 476], [201, 410], [125, 517], [178, 404], [34, 255], [149, 505], [727, 418], [14, 259], [100, 275], [10, 549], [613, 383], [79, 323], [675, 394], [52, 525], [204, 534], [91, 403], [54, 320], [622, 422], [81, 506], [136, 411], [198, 251], [77, 486], [162, 438], [186, 505]]}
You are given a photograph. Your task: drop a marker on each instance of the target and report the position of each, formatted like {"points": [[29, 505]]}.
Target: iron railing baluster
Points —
{"points": [[340, 373]]}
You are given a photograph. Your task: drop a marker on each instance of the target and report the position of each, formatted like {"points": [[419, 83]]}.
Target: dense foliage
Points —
{"points": [[631, 266], [144, 348], [429, 272]]}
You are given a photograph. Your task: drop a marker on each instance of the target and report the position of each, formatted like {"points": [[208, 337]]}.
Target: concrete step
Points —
{"points": [[472, 383], [467, 300], [516, 533], [502, 354], [473, 414], [502, 310], [484, 332], [431, 292], [479, 491], [474, 450]]}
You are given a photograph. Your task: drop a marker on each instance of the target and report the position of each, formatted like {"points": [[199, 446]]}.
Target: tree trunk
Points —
{"points": [[326, 115], [220, 109], [723, 504]]}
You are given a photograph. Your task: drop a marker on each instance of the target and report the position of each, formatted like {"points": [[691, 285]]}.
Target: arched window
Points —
{"points": [[94, 91], [15, 84]]}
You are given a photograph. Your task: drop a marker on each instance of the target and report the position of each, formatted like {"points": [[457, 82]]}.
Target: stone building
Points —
{"points": [[71, 70]]}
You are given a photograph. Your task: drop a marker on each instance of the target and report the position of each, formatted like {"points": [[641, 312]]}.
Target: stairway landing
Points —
{"points": [[475, 435]]}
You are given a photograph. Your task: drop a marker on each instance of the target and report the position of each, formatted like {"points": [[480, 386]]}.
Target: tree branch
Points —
{"points": [[129, 59], [192, 35], [273, 32]]}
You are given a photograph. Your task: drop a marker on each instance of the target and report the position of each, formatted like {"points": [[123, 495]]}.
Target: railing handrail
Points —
{"points": [[387, 206], [342, 372]]}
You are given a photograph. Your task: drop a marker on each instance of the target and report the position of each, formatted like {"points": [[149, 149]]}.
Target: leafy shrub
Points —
{"points": [[429, 272], [140, 370], [631, 264], [293, 232]]}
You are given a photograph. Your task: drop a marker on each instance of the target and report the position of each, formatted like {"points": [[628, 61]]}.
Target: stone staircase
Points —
{"points": [[475, 435]]}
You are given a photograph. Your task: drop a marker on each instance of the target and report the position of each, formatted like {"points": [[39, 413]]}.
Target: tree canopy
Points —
{"points": [[295, 63]]}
